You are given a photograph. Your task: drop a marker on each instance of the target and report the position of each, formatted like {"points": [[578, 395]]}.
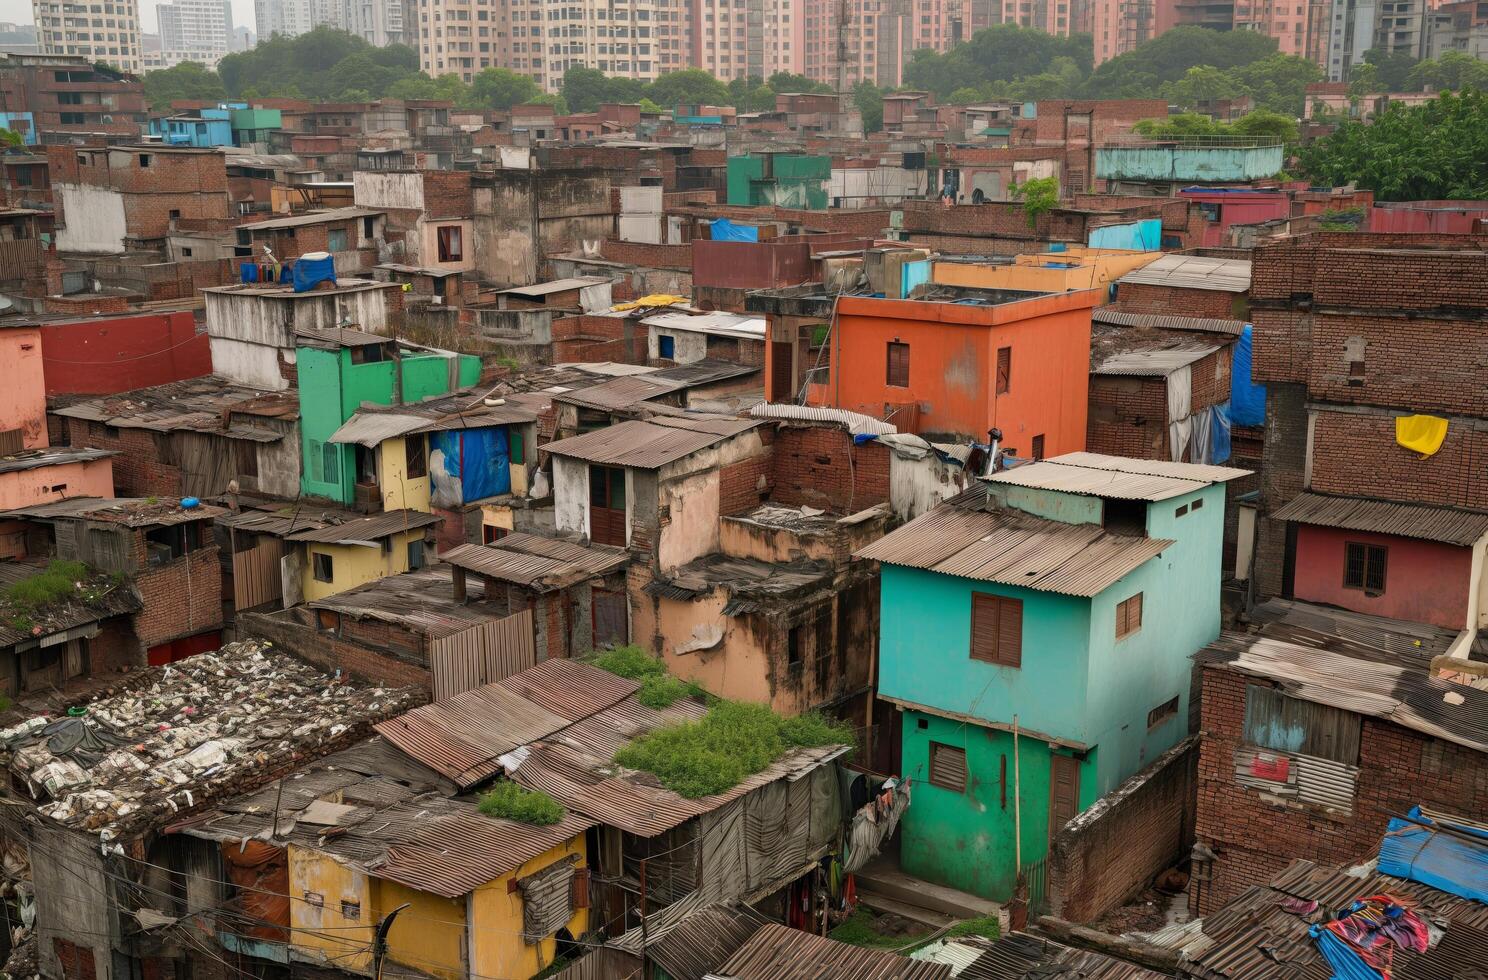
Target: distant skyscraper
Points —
{"points": [[754, 40], [378, 22], [195, 30], [107, 32], [879, 36]]}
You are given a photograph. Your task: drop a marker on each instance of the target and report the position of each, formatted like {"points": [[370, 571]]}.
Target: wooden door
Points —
{"points": [[610, 614], [1064, 791], [607, 505], [782, 382]]}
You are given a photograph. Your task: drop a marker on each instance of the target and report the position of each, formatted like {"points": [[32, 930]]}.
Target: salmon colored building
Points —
{"points": [[969, 361]]}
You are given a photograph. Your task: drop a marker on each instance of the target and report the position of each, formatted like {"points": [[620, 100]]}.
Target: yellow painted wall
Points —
{"points": [[429, 935], [324, 932], [1097, 267], [399, 490], [495, 515], [353, 565], [496, 922]]}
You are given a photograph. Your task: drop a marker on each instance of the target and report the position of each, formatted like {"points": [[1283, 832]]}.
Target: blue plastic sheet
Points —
{"points": [[469, 464], [1219, 434], [1140, 236], [914, 274], [248, 271], [725, 230], [1413, 849], [1247, 399], [309, 272], [1346, 964]]}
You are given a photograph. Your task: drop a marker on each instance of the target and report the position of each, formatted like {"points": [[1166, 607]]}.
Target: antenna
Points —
{"points": [[844, 20]]}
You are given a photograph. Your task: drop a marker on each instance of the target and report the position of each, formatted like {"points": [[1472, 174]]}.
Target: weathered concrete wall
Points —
{"points": [[687, 345], [72, 899], [94, 219], [692, 528], [250, 364], [388, 190], [571, 494]]}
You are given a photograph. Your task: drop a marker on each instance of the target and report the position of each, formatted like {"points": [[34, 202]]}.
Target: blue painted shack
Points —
{"points": [[202, 127], [1035, 632]]}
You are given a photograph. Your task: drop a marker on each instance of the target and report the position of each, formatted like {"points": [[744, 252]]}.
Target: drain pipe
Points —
{"points": [[994, 438]]}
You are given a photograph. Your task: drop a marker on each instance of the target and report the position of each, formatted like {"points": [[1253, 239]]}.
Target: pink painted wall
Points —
{"points": [[23, 390], [1425, 582]]}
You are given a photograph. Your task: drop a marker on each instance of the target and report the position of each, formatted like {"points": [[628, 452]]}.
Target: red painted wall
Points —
{"points": [[1425, 582], [105, 355]]}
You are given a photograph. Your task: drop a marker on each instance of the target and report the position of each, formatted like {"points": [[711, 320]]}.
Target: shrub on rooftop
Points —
{"points": [[509, 801], [659, 689]]}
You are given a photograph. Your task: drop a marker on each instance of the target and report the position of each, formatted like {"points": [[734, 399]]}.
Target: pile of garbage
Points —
{"points": [[198, 726]]}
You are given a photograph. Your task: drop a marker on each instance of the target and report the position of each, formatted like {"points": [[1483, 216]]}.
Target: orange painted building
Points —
{"points": [[1018, 362]]}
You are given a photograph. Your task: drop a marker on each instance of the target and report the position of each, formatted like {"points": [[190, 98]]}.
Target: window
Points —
{"points": [[490, 533], [144, 160], [323, 567], [898, 365], [948, 767], [517, 447], [1196, 505], [666, 346], [368, 227], [449, 244], [1128, 616], [11, 441], [1162, 712], [415, 555], [169, 543], [997, 630], [336, 240], [1364, 567], [1038, 447], [1180, 510], [1004, 369], [1286, 724], [414, 458]]}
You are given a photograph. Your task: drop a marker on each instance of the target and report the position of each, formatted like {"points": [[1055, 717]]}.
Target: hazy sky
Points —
{"points": [[19, 11]]}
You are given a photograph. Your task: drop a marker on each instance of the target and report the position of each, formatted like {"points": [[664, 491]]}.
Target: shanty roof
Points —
{"points": [[1151, 362], [1445, 524], [618, 394], [31, 459], [1391, 641], [852, 421], [334, 338], [752, 584], [555, 286], [366, 530], [285, 521], [135, 759], [310, 218], [423, 602], [719, 324], [1019, 955], [1160, 321], [392, 818], [777, 952], [128, 511], [542, 564], [703, 372], [371, 425], [1404, 695], [100, 598], [1192, 272], [1116, 477], [207, 404], [417, 270], [694, 945], [650, 443], [972, 538], [1263, 933]]}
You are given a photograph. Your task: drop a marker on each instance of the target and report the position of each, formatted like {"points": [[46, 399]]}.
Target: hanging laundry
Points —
{"points": [[1372, 929], [1423, 434]]}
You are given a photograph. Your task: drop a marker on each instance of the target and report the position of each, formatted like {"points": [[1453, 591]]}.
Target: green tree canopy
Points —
{"points": [[869, 100], [585, 89], [323, 64], [1142, 72], [998, 54], [1258, 123], [688, 87], [1435, 151], [1453, 71], [1039, 195], [501, 88], [187, 80]]}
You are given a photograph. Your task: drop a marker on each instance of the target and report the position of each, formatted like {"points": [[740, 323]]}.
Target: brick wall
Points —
{"points": [[138, 469], [331, 653], [447, 194], [1390, 351], [1356, 454], [1253, 839], [742, 486], [181, 598], [819, 466], [1116, 848], [84, 305], [653, 256], [1134, 297], [1283, 462], [598, 338], [1128, 417]]}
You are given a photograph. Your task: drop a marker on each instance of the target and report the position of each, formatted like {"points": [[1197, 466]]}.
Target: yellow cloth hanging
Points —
{"points": [[1421, 433], [656, 299]]}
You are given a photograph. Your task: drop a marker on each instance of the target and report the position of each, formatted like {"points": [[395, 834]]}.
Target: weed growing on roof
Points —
{"points": [[512, 802], [59, 581], [727, 745], [659, 689], [984, 926]]}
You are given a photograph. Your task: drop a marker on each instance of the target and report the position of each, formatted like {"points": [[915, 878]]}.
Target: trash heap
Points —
{"points": [[197, 727]]}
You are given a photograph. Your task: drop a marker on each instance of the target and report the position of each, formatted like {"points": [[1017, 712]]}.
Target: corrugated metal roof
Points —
{"points": [[1392, 641], [367, 529], [1160, 321], [1444, 524], [555, 286], [651, 443], [1193, 272], [1112, 484], [32, 459], [333, 338], [284, 521], [537, 562], [852, 421], [371, 429], [706, 371], [207, 404], [719, 324], [1151, 363], [422, 601], [128, 511], [1018, 956], [1013, 548], [1152, 467], [310, 218], [619, 393], [1400, 694], [701, 940], [778, 952]]}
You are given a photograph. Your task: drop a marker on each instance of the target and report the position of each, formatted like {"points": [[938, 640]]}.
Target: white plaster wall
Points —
{"points": [[279, 466], [94, 216], [388, 190], [917, 486], [255, 365], [248, 317], [689, 346], [640, 227], [692, 530], [571, 494]]}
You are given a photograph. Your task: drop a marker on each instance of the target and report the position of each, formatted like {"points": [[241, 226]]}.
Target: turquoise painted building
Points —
{"points": [[1189, 161], [1036, 634], [203, 128], [341, 370]]}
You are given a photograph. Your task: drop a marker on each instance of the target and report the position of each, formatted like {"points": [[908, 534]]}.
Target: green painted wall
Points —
{"points": [[796, 180], [424, 376], [1208, 164], [742, 170], [966, 840], [321, 398], [470, 370], [1070, 508]]}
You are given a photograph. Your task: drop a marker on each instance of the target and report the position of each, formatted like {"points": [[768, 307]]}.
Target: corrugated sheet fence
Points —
{"points": [[256, 577], [482, 654], [602, 964]]}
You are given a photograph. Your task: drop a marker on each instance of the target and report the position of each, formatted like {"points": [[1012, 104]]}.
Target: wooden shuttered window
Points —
{"points": [[1004, 369], [997, 630], [898, 365], [1128, 616], [948, 767], [1364, 567]]}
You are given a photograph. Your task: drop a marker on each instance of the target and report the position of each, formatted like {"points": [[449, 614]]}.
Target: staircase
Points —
{"points": [[884, 888]]}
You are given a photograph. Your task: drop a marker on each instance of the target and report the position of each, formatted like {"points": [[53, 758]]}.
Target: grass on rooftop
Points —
{"points": [[509, 801], [659, 689]]}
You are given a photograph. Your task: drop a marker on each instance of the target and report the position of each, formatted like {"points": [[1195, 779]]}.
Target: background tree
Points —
{"points": [[691, 86], [1039, 195], [869, 100], [1453, 71], [1277, 82], [1393, 70], [1142, 72], [501, 88], [187, 80]]}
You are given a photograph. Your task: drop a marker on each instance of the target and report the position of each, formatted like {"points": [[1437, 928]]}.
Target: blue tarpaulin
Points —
{"points": [[1417, 850], [1219, 434], [725, 230], [1346, 964], [1140, 236], [469, 464], [248, 271], [308, 272], [915, 273], [1247, 399]]}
